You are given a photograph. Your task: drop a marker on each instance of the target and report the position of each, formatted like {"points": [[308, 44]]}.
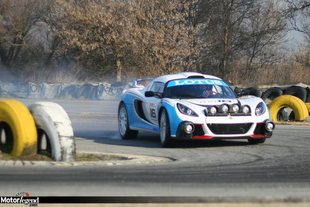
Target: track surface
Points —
{"points": [[276, 170]]}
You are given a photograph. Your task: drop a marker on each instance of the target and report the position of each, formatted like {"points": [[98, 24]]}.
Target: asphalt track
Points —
{"points": [[227, 170]]}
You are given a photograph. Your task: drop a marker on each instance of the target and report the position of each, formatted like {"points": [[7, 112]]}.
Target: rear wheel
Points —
{"points": [[165, 138], [123, 124]]}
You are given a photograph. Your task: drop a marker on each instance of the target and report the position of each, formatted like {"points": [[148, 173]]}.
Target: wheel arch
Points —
{"points": [[172, 115], [159, 113]]}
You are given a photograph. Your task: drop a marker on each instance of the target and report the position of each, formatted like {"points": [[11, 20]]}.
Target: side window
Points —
{"points": [[157, 87]]}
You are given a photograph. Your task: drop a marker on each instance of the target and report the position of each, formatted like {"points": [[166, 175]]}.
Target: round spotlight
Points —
{"points": [[235, 108], [224, 108], [246, 109], [213, 110], [188, 128], [269, 126]]}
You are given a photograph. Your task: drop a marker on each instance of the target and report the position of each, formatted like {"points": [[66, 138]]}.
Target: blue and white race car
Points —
{"points": [[192, 106]]}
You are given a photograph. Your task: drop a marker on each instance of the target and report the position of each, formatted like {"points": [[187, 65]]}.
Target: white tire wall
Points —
{"points": [[55, 122]]}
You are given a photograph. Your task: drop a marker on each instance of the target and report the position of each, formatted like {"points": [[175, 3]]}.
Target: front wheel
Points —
{"points": [[165, 138], [123, 124]]}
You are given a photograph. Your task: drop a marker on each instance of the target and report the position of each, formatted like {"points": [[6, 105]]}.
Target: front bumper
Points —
{"points": [[254, 130]]}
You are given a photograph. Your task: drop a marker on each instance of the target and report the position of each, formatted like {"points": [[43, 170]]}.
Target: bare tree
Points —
{"points": [[18, 20], [222, 20], [152, 36], [240, 34], [166, 35], [298, 12], [263, 29]]}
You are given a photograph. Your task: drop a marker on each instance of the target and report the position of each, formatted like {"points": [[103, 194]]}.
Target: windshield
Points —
{"points": [[198, 88]]}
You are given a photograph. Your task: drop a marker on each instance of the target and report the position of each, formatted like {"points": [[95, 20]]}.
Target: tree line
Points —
{"points": [[239, 40]]}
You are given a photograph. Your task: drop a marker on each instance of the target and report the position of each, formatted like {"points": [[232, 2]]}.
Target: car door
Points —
{"points": [[150, 105]]}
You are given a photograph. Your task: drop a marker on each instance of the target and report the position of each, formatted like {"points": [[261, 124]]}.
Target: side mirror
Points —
{"points": [[149, 94], [152, 94], [238, 92]]}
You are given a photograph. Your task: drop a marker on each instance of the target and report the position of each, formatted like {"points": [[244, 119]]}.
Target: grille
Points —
{"points": [[260, 129], [198, 130], [230, 128]]}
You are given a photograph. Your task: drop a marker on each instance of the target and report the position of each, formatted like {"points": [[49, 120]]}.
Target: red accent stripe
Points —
{"points": [[258, 136], [202, 137]]}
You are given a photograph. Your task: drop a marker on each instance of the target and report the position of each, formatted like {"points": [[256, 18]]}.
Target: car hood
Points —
{"points": [[207, 102]]}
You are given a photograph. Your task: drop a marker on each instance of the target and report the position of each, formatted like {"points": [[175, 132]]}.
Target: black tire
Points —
{"points": [[296, 91], [6, 138], [272, 93], [251, 91], [238, 91], [164, 124], [308, 95], [88, 91], [123, 124], [256, 141], [44, 144]]}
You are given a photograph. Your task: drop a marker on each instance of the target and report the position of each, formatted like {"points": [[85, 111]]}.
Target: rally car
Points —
{"points": [[193, 106]]}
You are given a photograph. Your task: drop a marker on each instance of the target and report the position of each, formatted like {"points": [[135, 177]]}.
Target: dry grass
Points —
{"points": [[98, 157], [36, 157], [80, 157]]}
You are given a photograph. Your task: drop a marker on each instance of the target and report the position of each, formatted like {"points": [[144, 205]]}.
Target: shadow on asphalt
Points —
{"points": [[150, 140]]}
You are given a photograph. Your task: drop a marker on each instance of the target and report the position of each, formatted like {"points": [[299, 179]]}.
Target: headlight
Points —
{"points": [[260, 109], [185, 110]]}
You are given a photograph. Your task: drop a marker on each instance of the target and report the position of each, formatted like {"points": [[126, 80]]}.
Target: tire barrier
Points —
{"points": [[103, 90], [308, 107], [35, 90], [272, 93], [17, 129], [298, 107], [90, 91], [251, 91], [308, 95], [54, 128], [297, 91]]}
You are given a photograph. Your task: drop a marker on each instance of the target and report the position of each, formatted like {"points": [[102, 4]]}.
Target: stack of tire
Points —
{"points": [[43, 128], [294, 98], [285, 104]]}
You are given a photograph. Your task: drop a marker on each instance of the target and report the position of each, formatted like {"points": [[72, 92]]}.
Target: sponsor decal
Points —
{"points": [[183, 82], [20, 198]]}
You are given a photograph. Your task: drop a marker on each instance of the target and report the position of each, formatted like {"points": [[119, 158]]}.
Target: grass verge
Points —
{"points": [[80, 157]]}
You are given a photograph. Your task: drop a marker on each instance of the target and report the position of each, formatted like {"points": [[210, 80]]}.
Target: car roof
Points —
{"points": [[166, 78]]}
